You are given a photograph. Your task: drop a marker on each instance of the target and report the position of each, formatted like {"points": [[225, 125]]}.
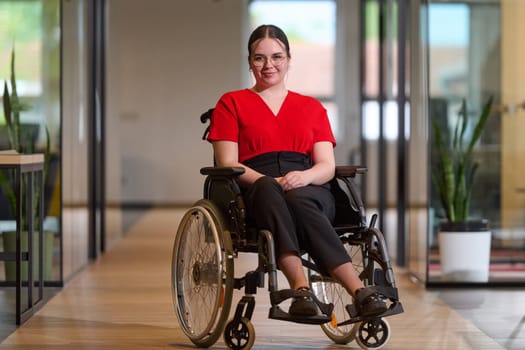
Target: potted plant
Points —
{"points": [[464, 241], [20, 142]]}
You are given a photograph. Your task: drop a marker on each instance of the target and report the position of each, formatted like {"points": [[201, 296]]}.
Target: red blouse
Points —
{"points": [[242, 116]]}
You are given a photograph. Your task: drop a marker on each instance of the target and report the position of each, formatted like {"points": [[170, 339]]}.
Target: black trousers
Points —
{"points": [[300, 219]]}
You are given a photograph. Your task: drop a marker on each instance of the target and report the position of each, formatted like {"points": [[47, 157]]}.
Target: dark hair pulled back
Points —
{"points": [[268, 31]]}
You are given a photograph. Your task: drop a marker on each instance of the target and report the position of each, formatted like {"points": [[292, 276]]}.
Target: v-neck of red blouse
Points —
{"points": [[266, 104]]}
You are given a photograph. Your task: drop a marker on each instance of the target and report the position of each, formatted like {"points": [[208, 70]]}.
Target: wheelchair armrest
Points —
{"points": [[349, 170], [222, 171]]}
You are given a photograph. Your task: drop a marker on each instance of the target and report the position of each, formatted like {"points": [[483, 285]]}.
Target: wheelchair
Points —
{"points": [[217, 228]]}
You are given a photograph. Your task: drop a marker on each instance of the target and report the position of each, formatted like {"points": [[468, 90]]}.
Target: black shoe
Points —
{"points": [[369, 302], [303, 305]]}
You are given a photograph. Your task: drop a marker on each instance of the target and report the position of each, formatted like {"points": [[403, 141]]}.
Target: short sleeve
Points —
{"points": [[224, 124], [322, 128]]}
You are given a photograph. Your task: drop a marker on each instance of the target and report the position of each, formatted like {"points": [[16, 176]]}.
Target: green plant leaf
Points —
{"points": [[478, 129], [463, 117], [6, 102], [454, 169], [445, 172], [14, 129], [13, 77]]}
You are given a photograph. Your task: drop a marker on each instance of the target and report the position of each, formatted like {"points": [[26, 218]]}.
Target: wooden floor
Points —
{"points": [[123, 301]]}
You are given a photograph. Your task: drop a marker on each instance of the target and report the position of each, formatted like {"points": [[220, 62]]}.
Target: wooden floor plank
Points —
{"points": [[123, 301]]}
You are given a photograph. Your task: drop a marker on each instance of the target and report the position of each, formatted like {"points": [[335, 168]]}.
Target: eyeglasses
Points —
{"points": [[276, 59]]}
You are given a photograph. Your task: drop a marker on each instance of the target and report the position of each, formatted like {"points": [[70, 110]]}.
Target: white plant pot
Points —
{"points": [[465, 255]]}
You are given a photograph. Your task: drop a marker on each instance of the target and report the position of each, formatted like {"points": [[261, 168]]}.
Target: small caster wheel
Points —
{"points": [[239, 336], [373, 334]]}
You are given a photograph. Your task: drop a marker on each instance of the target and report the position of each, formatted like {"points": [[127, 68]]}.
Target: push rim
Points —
{"points": [[202, 274]]}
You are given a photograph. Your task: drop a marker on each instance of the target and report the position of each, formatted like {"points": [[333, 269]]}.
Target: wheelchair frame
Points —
{"points": [[216, 229]]}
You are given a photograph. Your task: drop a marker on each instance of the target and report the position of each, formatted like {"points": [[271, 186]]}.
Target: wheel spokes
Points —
{"points": [[200, 265]]}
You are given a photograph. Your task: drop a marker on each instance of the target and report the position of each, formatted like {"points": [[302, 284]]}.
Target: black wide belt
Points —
{"points": [[276, 164]]}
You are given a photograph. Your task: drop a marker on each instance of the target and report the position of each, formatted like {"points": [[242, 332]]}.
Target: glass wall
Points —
{"points": [[386, 89], [379, 91], [30, 30], [477, 59]]}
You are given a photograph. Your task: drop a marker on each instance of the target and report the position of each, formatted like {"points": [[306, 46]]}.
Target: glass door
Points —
{"points": [[479, 58]]}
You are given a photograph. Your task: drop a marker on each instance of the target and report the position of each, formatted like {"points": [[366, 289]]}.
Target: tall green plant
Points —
{"points": [[13, 106], [455, 167]]}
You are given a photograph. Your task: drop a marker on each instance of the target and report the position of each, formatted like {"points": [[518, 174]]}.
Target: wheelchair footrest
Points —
{"points": [[394, 309], [277, 313], [277, 297]]}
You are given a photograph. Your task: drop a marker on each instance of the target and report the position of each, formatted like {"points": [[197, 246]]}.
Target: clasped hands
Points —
{"points": [[294, 179]]}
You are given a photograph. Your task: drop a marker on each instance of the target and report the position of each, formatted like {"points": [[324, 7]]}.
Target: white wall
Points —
{"points": [[167, 62]]}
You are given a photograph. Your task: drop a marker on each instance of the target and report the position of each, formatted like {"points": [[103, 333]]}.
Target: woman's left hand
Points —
{"points": [[293, 179]]}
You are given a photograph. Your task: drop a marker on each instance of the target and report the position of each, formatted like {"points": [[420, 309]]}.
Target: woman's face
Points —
{"points": [[269, 62]]}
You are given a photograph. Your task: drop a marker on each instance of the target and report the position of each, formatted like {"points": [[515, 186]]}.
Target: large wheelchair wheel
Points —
{"points": [[202, 274], [329, 290]]}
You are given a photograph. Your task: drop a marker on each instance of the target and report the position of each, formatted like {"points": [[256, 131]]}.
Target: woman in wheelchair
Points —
{"points": [[284, 142]]}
